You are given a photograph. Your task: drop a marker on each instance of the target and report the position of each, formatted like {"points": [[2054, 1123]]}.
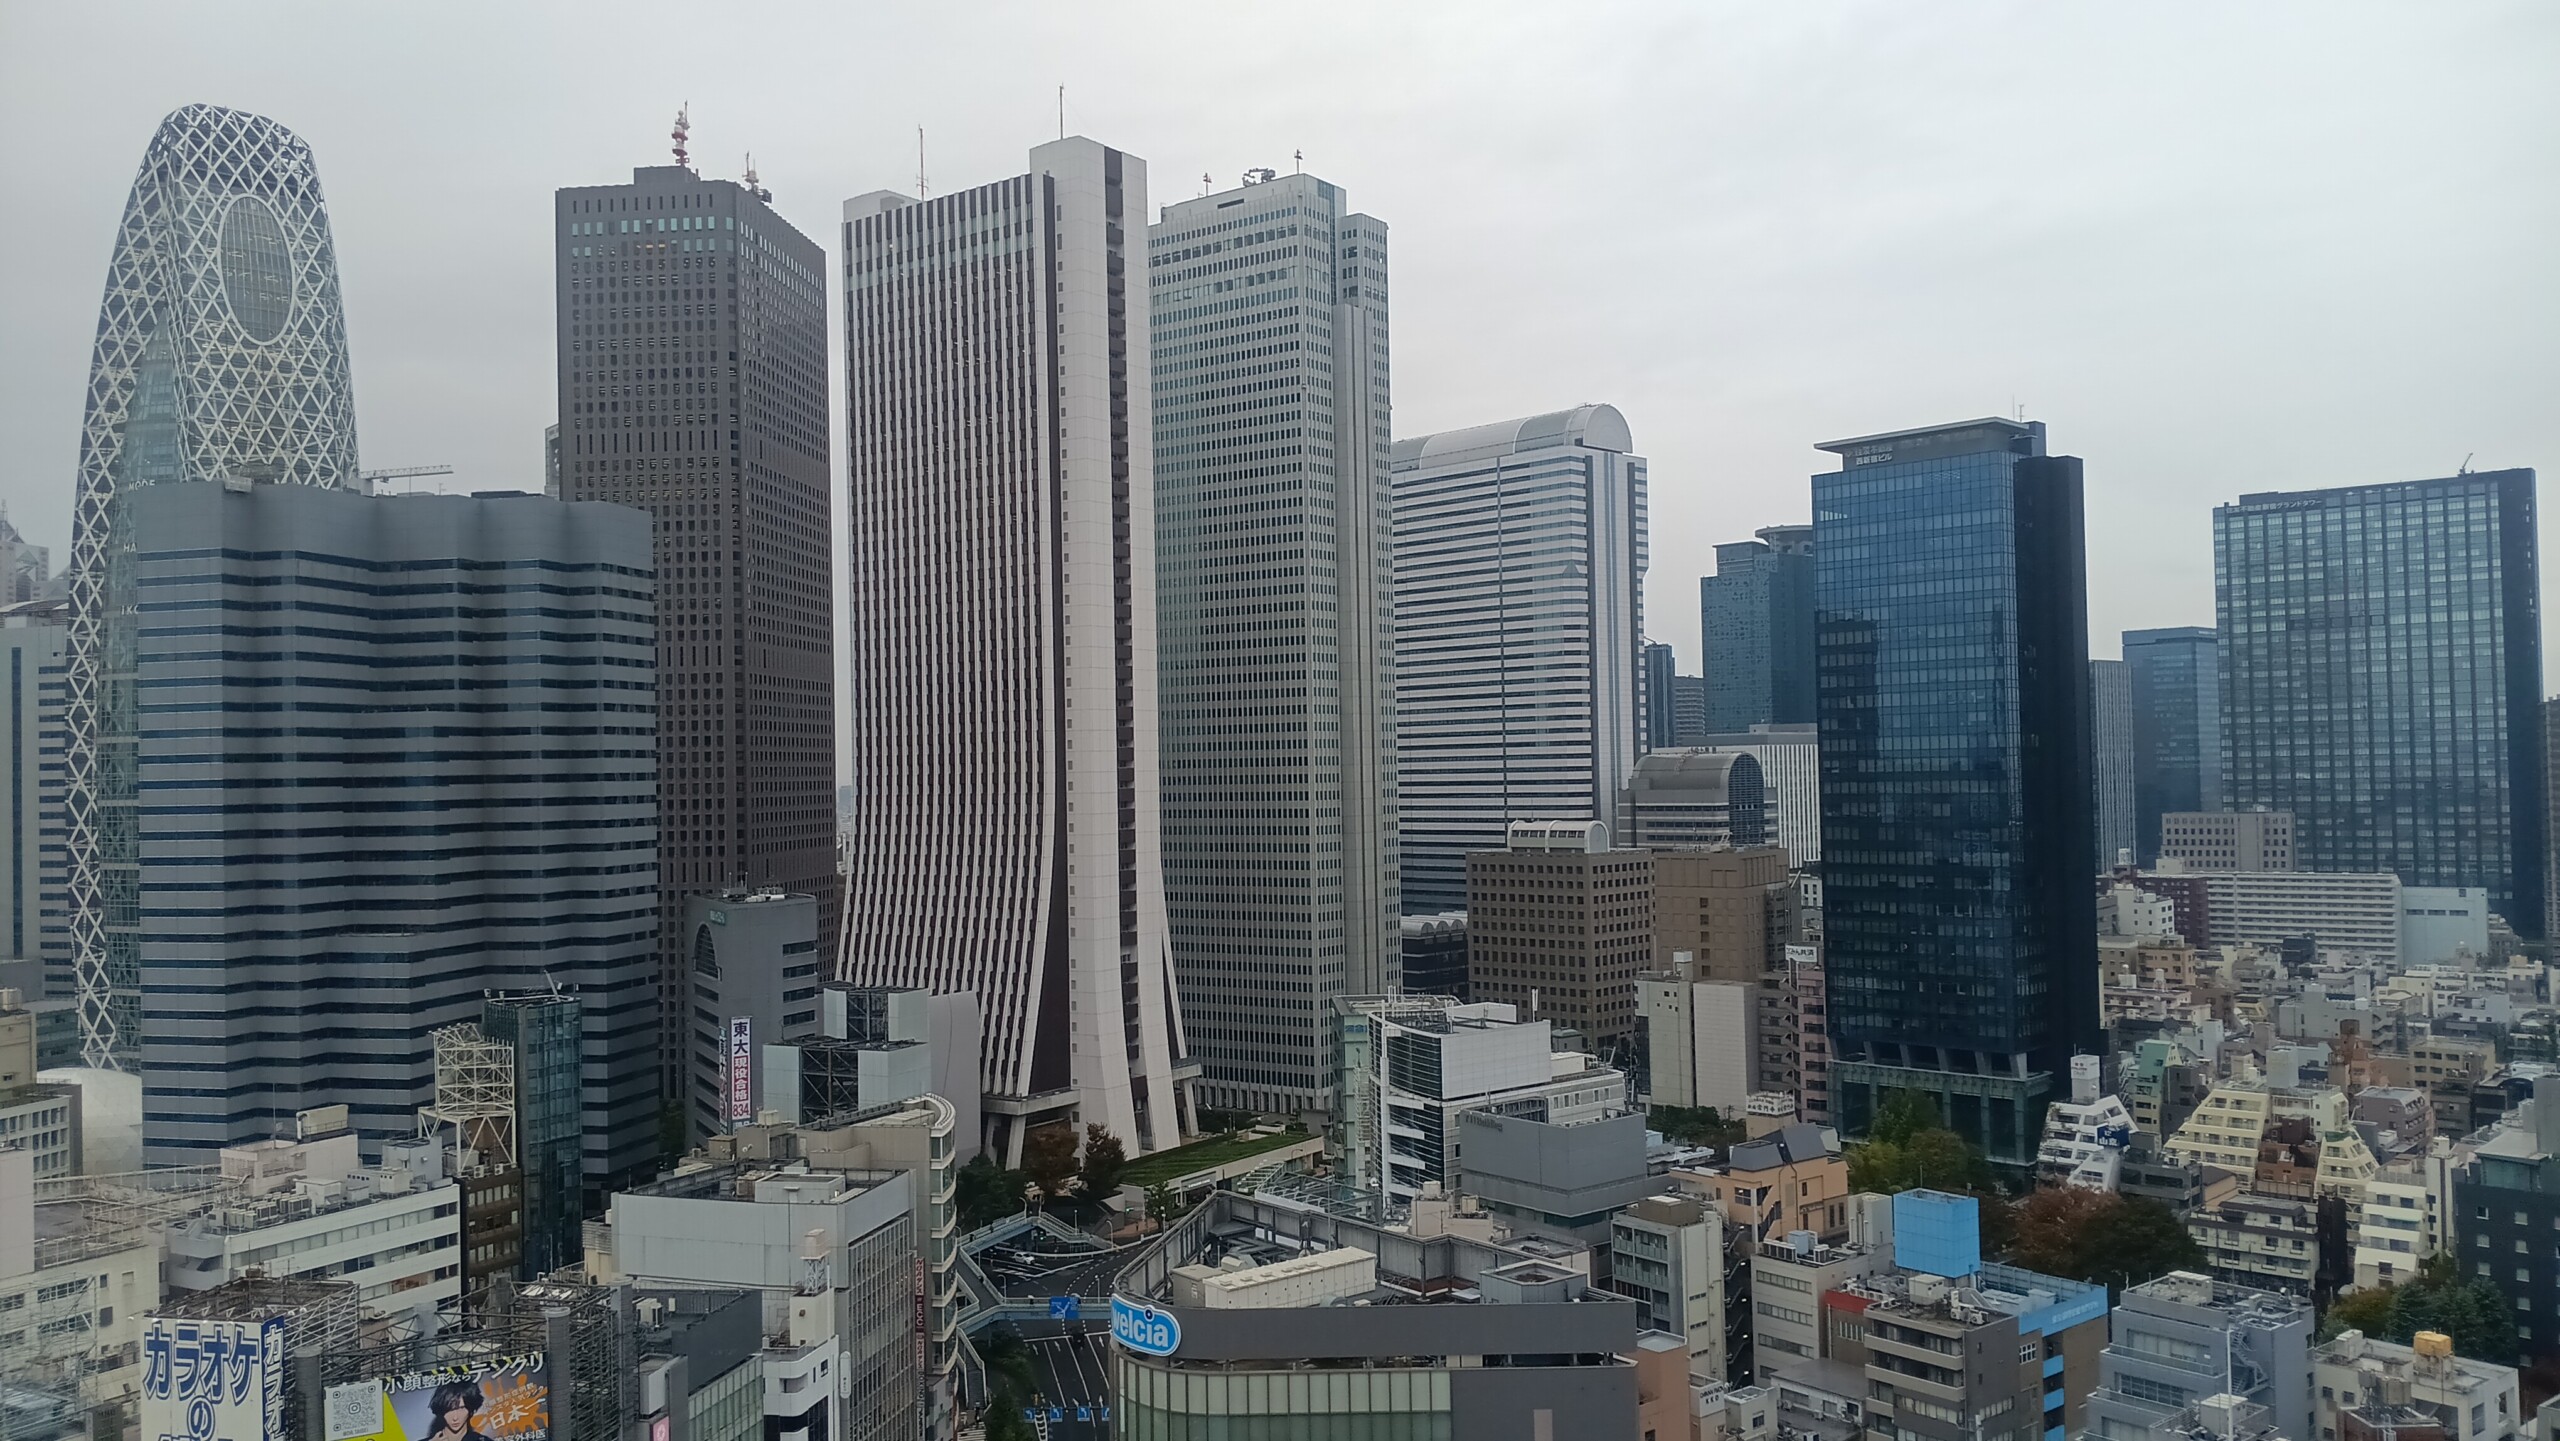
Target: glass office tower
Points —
{"points": [[1756, 631], [2382, 678], [1951, 615], [2177, 727], [2111, 753]]}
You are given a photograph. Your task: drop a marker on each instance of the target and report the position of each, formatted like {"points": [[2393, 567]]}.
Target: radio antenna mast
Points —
{"points": [[921, 191]]}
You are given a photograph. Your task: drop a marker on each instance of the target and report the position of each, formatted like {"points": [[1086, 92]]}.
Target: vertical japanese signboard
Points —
{"points": [[742, 1099]]}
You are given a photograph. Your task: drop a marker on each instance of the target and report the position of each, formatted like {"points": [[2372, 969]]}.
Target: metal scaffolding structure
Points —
{"points": [[475, 1095]]}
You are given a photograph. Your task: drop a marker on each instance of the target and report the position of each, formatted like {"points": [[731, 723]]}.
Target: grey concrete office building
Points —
{"points": [[753, 976], [1456, 1340], [2111, 760], [1275, 631], [2173, 681], [1755, 618], [692, 345], [1520, 561], [2381, 650], [394, 752]]}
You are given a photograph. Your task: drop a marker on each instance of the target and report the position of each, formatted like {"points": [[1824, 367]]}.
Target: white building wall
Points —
{"points": [[2439, 922], [1790, 758], [2359, 913]]}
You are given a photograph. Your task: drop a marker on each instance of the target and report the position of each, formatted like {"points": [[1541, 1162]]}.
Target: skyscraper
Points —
{"points": [[2382, 678], [2111, 759], [2175, 689], [1756, 631], [1661, 697], [419, 764], [221, 352], [31, 656], [1000, 502], [1275, 572], [1520, 560], [1952, 613], [692, 344]]}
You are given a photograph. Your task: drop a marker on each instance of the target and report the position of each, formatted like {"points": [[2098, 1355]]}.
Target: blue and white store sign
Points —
{"points": [[1143, 1328]]}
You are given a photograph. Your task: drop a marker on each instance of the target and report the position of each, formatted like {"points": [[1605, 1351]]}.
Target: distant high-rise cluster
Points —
{"points": [[460, 916]]}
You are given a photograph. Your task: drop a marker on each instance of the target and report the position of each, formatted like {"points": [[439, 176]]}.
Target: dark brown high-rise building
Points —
{"points": [[1560, 925], [693, 384]]}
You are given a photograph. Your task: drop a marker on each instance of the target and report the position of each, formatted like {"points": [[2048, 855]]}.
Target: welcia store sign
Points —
{"points": [[1143, 1328]]}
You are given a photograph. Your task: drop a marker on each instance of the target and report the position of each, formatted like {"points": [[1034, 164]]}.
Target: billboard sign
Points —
{"points": [[742, 1101], [213, 1380], [499, 1398], [1144, 1329]]}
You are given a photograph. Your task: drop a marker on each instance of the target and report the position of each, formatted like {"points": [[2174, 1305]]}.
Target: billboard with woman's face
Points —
{"points": [[505, 1398]]}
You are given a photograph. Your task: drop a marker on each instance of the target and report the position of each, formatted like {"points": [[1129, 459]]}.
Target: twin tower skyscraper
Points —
{"points": [[1120, 638]]}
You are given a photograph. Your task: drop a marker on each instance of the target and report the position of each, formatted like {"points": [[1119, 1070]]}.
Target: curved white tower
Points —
{"points": [[222, 352]]}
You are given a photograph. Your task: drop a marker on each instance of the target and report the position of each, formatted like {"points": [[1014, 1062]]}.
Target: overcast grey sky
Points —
{"points": [[2216, 247]]}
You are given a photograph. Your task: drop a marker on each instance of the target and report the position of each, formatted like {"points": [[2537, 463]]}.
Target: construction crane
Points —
{"points": [[372, 480]]}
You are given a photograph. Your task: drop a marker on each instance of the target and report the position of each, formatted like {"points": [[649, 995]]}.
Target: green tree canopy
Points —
{"points": [[1104, 1159], [1049, 1158], [2099, 1236], [1696, 1126]]}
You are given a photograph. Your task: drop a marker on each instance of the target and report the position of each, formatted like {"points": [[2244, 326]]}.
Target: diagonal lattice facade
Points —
{"points": [[221, 351]]}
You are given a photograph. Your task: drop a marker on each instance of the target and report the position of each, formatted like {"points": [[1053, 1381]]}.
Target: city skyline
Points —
{"points": [[1728, 422]]}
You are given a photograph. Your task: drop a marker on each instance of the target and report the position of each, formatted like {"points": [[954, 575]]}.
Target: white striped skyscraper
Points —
{"points": [[1520, 559], [1000, 504], [1275, 571]]}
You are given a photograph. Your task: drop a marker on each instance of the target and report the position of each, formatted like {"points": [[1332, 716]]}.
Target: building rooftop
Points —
{"points": [[2236, 1305]]}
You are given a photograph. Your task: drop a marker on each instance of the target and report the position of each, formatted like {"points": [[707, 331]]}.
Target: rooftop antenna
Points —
{"points": [[753, 188], [2465, 468], [1062, 112], [921, 192], [1302, 161], [1204, 182], [684, 127]]}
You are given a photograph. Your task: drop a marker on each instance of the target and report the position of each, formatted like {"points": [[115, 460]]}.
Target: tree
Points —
{"points": [[2368, 1311], [1104, 1159], [1932, 1158], [1903, 1115], [1049, 1158], [1696, 1126], [1164, 1204], [2099, 1236], [984, 1192], [1012, 1385], [2439, 1298]]}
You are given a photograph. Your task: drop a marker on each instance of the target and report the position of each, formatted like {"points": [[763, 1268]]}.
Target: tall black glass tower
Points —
{"points": [[2382, 678], [1951, 620], [2177, 727]]}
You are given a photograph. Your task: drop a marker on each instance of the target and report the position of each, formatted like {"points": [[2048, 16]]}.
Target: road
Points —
{"points": [[1069, 1372]]}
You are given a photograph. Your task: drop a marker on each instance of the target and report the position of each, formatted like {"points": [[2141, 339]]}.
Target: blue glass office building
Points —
{"points": [[1951, 620], [2381, 678], [1755, 618], [2173, 675]]}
